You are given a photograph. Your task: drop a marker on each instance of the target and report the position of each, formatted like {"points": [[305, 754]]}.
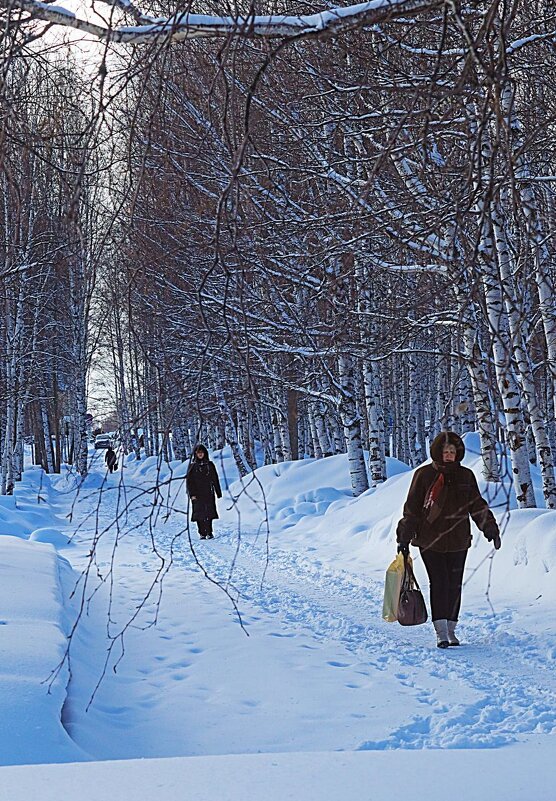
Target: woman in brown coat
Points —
{"points": [[441, 498]]}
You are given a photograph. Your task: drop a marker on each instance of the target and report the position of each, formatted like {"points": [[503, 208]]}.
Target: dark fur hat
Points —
{"points": [[447, 438]]}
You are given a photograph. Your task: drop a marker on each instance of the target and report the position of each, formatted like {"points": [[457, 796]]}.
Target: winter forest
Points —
{"points": [[291, 229], [328, 241]]}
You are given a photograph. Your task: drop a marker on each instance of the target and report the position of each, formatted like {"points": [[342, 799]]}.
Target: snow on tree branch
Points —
{"points": [[190, 26]]}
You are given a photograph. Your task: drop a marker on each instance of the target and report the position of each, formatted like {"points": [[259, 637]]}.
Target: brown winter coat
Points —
{"points": [[448, 528]]}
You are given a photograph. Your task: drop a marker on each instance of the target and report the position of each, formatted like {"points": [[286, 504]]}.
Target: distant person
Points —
{"points": [[111, 459], [202, 486], [435, 519]]}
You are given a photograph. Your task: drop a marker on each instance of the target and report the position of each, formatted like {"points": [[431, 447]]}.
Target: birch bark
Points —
{"points": [[507, 383], [536, 236], [231, 432], [352, 426], [521, 355]]}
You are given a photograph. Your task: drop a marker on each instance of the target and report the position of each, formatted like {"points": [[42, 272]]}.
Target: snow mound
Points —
{"points": [[50, 535]]}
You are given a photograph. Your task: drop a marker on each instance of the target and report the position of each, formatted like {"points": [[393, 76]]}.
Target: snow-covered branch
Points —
{"points": [[181, 26]]}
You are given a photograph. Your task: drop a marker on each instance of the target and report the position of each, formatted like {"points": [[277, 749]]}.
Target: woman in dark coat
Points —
{"points": [[111, 459], [202, 485], [441, 498]]}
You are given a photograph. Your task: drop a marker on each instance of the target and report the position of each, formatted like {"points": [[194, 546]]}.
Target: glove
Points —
{"points": [[493, 535], [403, 548]]}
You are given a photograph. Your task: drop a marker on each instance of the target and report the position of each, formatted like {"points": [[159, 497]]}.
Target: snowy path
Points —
{"points": [[320, 669], [512, 687]]}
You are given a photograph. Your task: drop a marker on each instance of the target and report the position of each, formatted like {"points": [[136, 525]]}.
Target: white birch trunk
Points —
{"points": [[18, 452], [371, 383], [231, 433], [321, 430], [191, 435], [375, 418], [305, 437], [476, 361], [246, 431], [47, 438], [283, 427], [178, 441], [13, 328], [7, 456], [220, 435], [465, 406], [276, 438], [507, 383], [336, 434], [317, 450], [352, 426], [537, 238], [521, 354], [265, 432], [414, 432]]}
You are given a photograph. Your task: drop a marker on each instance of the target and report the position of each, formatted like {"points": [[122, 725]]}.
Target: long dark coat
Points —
{"points": [[447, 528], [110, 457], [203, 484]]}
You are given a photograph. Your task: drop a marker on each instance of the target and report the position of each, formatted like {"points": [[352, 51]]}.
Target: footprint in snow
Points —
{"points": [[179, 665]]}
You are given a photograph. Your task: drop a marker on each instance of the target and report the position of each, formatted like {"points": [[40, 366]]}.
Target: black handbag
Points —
{"points": [[411, 607]]}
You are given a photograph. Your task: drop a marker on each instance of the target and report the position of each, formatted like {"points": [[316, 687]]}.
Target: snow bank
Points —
{"points": [[310, 501], [32, 642], [33, 623], [32, 506], [289, 492], [513, 774]]}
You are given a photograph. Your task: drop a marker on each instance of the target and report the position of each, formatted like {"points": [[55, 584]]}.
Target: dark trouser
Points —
{"points": [[205, 527], [445, 578]]}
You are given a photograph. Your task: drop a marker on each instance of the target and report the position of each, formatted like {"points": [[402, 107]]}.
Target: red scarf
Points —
{"points": [[434, 492]]}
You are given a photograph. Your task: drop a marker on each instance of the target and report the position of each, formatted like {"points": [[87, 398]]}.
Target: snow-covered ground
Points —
{"points": [[259, 661]]}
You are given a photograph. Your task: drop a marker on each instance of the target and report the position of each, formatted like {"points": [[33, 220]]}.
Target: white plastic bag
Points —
{"points": [[392, 588]]}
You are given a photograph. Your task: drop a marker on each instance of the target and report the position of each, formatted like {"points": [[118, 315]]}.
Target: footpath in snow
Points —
{"points": [[308, 667]]}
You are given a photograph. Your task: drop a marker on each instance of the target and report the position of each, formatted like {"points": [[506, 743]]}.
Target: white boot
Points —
{"points": [[452, 639], [441, 628]]}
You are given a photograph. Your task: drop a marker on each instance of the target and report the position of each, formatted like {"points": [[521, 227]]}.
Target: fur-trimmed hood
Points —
{"points": [[447, 438]]}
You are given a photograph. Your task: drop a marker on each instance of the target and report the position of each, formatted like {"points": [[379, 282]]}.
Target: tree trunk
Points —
{"points": [[231, 432], [352, 426], [521, 354]]}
